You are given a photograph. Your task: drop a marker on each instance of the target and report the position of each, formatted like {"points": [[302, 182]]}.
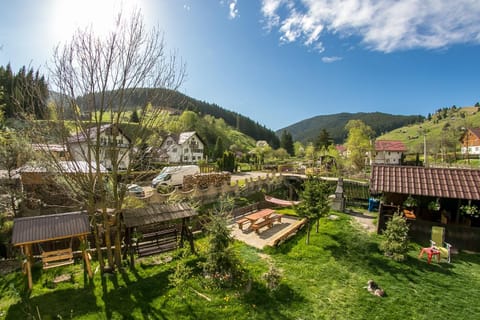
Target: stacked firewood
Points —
{"points": [[204, 180]]}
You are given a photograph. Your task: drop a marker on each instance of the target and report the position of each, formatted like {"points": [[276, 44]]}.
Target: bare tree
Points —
{"points": [[95, 78]]}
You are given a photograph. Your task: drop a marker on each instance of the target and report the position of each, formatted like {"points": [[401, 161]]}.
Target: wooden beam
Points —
{"points": [[86, 256], [28, 254]]}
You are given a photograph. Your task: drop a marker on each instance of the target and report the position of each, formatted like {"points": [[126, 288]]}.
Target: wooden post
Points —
{"points": [[28, 254], [85, 256]]}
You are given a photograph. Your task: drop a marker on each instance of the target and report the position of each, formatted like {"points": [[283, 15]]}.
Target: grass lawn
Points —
{"points": [[324, 280]]}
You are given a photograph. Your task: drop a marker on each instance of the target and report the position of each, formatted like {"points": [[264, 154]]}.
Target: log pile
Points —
{"points": [[204, 180]]}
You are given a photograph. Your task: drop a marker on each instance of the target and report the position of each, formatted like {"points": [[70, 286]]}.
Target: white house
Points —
{"points": [[387, 152], [114, 146], [187, 147]]}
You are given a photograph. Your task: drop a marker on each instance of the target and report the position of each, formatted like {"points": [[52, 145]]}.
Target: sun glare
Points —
{"points": [[68, 16]]}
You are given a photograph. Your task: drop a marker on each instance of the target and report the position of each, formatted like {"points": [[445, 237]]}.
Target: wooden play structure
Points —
{"points": [[154, 229], [52, 238]]}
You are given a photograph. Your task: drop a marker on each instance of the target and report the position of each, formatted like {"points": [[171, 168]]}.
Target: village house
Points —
{"points": [[471, 142], [114, 146], [187, 147], [57, 151], [388, 152]]}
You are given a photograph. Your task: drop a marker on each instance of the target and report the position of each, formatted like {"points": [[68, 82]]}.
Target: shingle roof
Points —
{"points": [[435, 182], [156, 213], [390, 145], [91, 134], [49, 227]]}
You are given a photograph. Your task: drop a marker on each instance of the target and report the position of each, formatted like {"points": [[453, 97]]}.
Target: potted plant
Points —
{"points": [[434, 205], [470, 210], [410, 202]]}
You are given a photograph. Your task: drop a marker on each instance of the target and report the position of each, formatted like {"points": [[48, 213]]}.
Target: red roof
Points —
{"points": [[340, 148], [434, 182], [390, 145]]}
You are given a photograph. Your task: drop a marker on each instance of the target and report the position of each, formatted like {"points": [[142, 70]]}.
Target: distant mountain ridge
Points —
{"points": [[307, 130]]}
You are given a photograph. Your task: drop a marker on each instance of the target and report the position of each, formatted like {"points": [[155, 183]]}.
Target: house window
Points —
{"points": [[185, 158], [185, 150], [169, 142], [174, 150]]}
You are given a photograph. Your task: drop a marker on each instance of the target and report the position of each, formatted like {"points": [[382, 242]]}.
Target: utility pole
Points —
{"points": [[425, 157]]}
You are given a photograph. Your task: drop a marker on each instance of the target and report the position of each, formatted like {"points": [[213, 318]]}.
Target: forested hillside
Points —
{"points": [[307, 130], [164, 98]]}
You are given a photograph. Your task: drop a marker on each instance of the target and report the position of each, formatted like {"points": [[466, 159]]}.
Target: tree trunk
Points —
{"points": [[308, 232], [108, 240], [317, 224], [98, 247], [118, 244]]}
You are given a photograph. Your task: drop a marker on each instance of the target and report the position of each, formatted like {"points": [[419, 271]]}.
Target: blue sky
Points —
{"points": [[282, 61]]}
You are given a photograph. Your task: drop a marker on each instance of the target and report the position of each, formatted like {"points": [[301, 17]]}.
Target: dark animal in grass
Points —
{"points": [[374, 289]]}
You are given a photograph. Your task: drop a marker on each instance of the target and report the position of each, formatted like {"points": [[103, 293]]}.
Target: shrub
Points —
{"points": [[395, 242]]}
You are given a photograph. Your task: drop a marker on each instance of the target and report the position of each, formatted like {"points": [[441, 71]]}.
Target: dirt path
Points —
{"points": [[365, 221]]}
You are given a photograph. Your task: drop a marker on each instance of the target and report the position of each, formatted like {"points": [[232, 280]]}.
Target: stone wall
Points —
{"points": [[211, 193]]}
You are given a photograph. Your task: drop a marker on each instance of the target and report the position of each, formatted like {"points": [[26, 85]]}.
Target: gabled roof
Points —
{"points": [[434, 182], [156, 213], [49, 227], [91, 134], [390, 145], [79, 166], [474, 131], [182, 137]]}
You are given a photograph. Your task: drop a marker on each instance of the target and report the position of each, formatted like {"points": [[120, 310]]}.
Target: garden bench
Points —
{"points": [[276, 217], [241, 222], [56, 258], [257, 225], [157, 242]]}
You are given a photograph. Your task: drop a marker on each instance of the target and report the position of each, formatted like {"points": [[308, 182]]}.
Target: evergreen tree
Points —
{"points": [[218, 149], [286, 142], [134, 117], [25, 93], [314, 202], [323, 140], [395, 242], [227, 162], [221, 264]]}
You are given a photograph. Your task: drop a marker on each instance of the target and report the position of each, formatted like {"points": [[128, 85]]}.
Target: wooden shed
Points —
{"points": [[46, 230], [149, 230], [451, 188]]}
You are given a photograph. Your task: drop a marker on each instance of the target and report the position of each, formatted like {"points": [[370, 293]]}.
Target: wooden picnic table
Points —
{"points": [[254, 217], [265, 213]]}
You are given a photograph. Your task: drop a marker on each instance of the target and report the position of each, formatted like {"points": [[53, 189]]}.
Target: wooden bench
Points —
{"points": [[157, 242], [56, 258], [287, 233], [266, 222], [276, 217], [241, 222]]}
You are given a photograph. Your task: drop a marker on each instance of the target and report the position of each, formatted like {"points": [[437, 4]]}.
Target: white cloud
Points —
{"points": [[186, 7], [233, 9], [331, 59], [382, 25]]}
